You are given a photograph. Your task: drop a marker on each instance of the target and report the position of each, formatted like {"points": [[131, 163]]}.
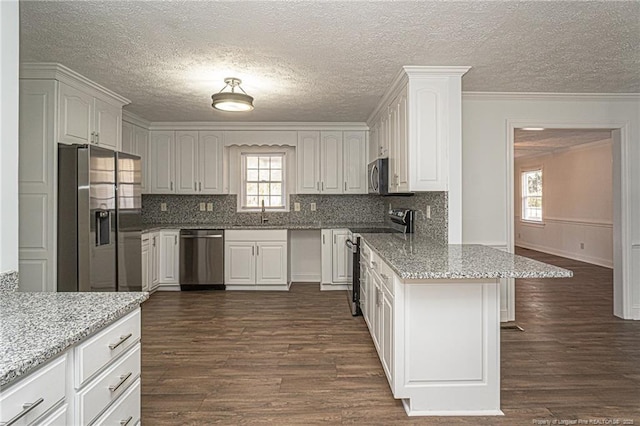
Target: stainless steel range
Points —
{"points": [[400, 221]]}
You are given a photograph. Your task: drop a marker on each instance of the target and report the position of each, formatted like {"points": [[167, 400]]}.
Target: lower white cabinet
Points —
{"points": [[150, 261], [256, 260], [168, 259], [336, 259], [145, 263], [97, 381]]}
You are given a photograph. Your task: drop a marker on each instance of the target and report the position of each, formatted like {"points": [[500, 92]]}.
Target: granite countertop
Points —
{"points": [[291, 226], [414, 257], [35, 327]]}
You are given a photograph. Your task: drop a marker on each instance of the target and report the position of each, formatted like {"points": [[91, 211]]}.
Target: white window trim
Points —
{"points": [[242, 190], [522, 197]]}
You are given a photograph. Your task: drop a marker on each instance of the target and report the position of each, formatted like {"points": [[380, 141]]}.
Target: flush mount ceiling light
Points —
{"points": [[231, 100]]}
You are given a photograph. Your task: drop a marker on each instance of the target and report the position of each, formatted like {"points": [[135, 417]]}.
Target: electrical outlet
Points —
{"points": [[209, 207], [203, 207], [163, 207], [313, 207], [296, 207], [428, 212], [581, 246]]}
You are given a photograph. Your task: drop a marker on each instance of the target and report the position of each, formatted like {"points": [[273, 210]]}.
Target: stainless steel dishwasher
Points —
{"points": [[202, 259]]}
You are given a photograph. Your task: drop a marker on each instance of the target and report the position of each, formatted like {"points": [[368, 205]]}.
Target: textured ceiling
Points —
{"points": [[328, 60], [537, 142]]}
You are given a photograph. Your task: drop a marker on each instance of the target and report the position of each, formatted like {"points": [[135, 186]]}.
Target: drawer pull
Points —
{"points": [[384, 277], [374, 263], [126, 422], [112, 346], [26, 408], [123, 379]]}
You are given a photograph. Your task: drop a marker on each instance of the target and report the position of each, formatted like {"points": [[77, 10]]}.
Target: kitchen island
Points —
{"points": [[433, 311], [69, 357]]}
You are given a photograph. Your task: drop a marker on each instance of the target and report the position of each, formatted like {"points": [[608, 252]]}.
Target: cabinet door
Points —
{"points": [[355, 163], [340, 260], [162, 162], [376, 311], [75, 116], [374, 145], [186, 162], [144, 255], [271, 262], [142, 149], [364, 293], [308, 161], [393, 147], [402, 143], [128, 138], [239, 262], [386, 350], [169, 257], [107, 124], [383, 135], [210, 146], [331, 163], [326, 256], [154, 262]]}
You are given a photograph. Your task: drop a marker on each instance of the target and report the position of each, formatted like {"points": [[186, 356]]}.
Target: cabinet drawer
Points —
{"points": [[255, 235], [108, 386], [99, 350], [365, 254], [125, 411], [44, 388], [383, 272], [57, 418]]}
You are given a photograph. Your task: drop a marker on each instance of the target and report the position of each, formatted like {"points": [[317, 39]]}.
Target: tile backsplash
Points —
{"points": [[330, 209]]}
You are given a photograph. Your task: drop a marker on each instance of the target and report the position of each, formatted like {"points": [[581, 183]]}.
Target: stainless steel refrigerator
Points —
{"points": [[98, 220]]}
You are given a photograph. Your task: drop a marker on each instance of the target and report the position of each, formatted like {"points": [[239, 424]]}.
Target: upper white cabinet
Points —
{"points": [[331, 162], [84, 117], [186, 162], [419, 122], [135, 140], [162, 161], [354, 160]]}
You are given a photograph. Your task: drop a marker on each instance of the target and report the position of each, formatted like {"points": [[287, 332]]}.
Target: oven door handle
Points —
{"points": [[349, 243]]}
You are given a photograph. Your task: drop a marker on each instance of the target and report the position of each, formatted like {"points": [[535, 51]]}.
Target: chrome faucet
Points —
{"points": [[263, 219]]}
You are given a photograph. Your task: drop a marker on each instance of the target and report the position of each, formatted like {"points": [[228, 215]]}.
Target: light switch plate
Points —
{"points": [[313, 207], [163, 207], [296, 207], [203, 207], [428, 212], [209, 207]]}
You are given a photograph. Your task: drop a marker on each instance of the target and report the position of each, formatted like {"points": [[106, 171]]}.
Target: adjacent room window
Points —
{"points": [[532, 195], [263, 181]]}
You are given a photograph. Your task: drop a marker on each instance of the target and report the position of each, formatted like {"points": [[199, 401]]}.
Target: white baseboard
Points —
{"points": [[306, 278], [256, 287], [330, 287], [569, 255], [168, 287]]}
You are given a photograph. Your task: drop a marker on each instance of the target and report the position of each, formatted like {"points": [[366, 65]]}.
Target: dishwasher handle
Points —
{"points": [[200, 236]]}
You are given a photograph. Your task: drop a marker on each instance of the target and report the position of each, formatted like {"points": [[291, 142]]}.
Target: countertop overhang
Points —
{"points": [[35, 327]]}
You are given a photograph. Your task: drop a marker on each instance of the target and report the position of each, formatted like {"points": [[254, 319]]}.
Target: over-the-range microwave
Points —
{"points": [[378, 174]]}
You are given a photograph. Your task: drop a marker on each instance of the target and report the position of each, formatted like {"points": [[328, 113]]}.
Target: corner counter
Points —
{"points": [[433, 311]]}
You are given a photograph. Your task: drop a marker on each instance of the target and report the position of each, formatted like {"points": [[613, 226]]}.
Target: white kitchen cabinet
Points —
{"points": [[210, 162], [154, 260], [308, 160], [85, 118], [354, 160], [135, 140], [336, 259], [386, 349], [186, 151], [419, 121], [331, 181], [374, 143], [169, 255], [57, 105], [162, 162], [128, 138], [145, 263], [74, 388], [256, 260]]}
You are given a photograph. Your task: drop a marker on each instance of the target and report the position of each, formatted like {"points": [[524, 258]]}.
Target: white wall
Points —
{"points": [[577, 204], [487, 121], [9, 136]]}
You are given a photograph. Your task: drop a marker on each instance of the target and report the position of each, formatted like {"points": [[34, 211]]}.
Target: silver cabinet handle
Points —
{"points": [[200, 185], [123, 379], [93, 137], [384, 277], [195, 186], [318, 186], [334, 239], [199, 236], [112, 346], [323, 186], [98, 138], [175, 240], [126, 422], [26, 408], [345, 186], [172, 186], [323, 242], [253, 248], [257, 250], [154, 241], [374, 263]]}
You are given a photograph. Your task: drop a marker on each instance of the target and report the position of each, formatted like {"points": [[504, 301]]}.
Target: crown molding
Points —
{"points": [[274, 126], [132, 118], [430, 71], [55, 71], [549, 96]]}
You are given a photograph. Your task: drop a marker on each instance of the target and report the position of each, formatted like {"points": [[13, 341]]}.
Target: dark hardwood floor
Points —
{"points": [[300, 358]]}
